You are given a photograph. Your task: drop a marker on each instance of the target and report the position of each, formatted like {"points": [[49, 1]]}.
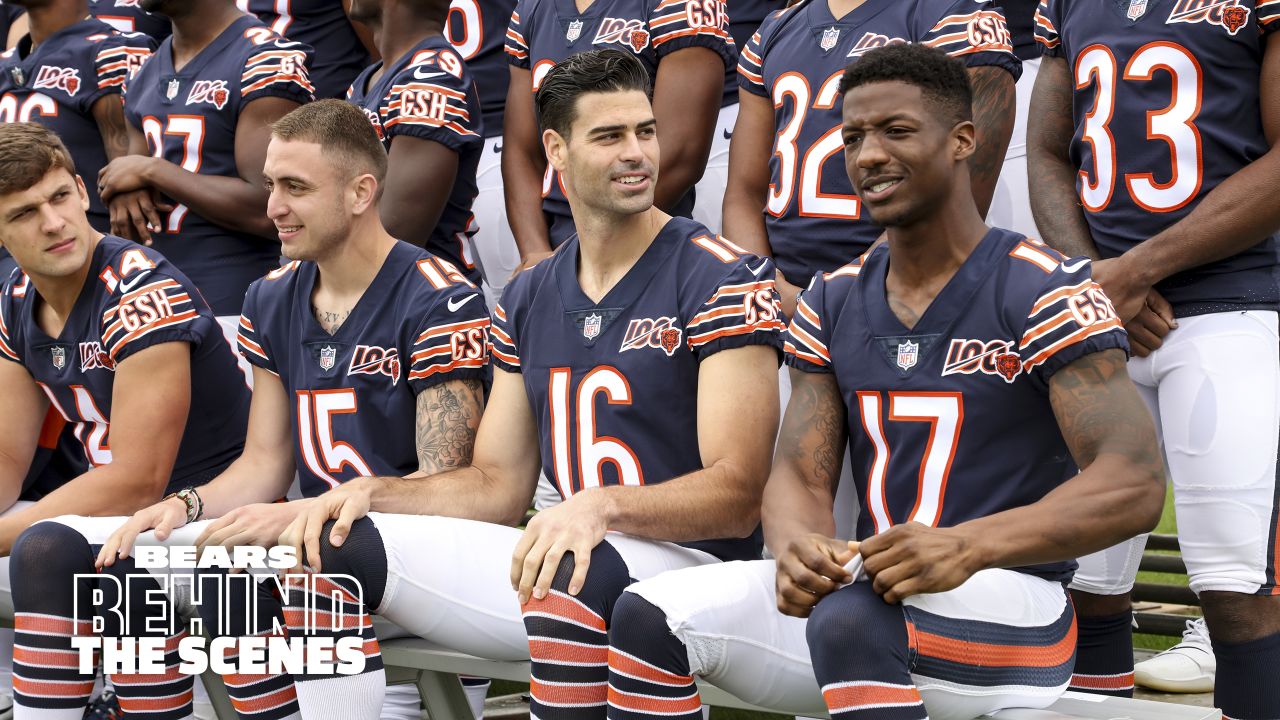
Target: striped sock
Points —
{"points": [[648, 666], [311, 612], [161, 696], [1104, 655]]}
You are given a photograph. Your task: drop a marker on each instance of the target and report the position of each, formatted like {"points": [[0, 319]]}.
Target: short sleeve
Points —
{"points": [[976, 33], [148, 308], [117, 58], [1047, 28], [430, 102], [1268, 16], [278, 68], [1071, 317], [807, 339], [8, 347], [742, 309], [451, 343], [679, 24], [502, 342], [516, 46], [249, 339], [751, 67]]}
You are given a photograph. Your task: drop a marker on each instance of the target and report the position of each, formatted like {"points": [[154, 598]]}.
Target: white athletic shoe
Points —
{"points": [[1187, 667], [6, 705]]}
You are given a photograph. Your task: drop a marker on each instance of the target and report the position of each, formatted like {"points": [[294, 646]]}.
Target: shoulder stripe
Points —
{"points": [[811, 342], [1035, 256], [1054, 296], [743, 329], [1082, 334], [499, 313], [508, 359], [808, 314], [740, 289], [791, 349], [144, 331], [716, 248], [450, 328]]}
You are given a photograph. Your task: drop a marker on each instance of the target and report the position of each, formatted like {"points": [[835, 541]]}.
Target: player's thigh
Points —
{"points": [[494, 245], [709, 192], [1219, 389], [6, 587], [1011, 203], [1002, 639], [448, 580], [727, 617], [646, 558]]}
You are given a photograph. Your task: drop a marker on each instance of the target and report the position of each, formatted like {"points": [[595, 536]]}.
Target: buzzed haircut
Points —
{"points": [[342, 131], [27, 153], [942, 79], [596, 71]]}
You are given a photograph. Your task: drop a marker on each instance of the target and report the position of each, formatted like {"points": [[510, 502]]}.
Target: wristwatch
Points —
{"points": [[189, 497]]}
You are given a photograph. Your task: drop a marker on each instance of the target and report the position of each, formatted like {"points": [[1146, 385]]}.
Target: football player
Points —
{"points": [[687, 89], [1153, 129], [422, 102], [67, 74], [965, 367], [637, 367], [115, 339], [788, 196], [1011, 204], [340, 54], [13, 23], [128, 16], [369, 346], [199, 116]]}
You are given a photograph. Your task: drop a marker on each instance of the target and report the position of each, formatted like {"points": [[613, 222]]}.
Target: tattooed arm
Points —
{"points": [[447, 418], [994, 108], [1051, 174], [1118, 494]]}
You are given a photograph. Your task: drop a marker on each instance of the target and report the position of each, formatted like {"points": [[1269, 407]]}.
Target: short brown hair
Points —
{"points": [[27, 153], [339, 128]]}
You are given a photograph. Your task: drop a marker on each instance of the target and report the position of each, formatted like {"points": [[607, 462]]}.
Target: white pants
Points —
{"points": [[709, 191], [231, 330], [1011, 204], [726, 616], [1214, 391], [495, 246]]}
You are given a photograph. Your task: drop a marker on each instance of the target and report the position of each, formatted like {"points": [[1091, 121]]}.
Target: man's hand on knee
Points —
{"points": [[575, 526], [810, 568]]}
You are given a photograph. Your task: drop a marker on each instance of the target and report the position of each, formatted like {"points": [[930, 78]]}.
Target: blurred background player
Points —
{"points": [[352, 322], [200, 113], [423, 105], [1153, 129], [643, 354], [788, 196], [1010, 203], [953, 603], [685, 47], [13, 23], [68, 74], [128, 16], [340, 52], [113, 337]]}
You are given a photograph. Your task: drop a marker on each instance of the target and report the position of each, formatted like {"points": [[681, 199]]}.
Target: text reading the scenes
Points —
{"points": [[152, 621]]}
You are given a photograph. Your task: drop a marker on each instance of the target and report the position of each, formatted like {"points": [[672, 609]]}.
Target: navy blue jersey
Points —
{"points": [[420, 323], [428, 93], [133, 299], [477, 29], [1167, 106], [189, 118], [814, 219], [128, 16], [745, 17], [544, 32], [323, 25], [614, 384], [1021, 15], [58, 83], [950, 420]]}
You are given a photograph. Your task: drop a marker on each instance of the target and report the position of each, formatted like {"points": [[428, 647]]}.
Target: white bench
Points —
{"points": [[434, 670]]}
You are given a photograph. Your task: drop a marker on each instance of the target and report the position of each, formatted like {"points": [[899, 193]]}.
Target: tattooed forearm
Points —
{"points": [[1099, 411], [448, 415], [994, 108], [813, 430], [1050, 173], [330, 321], [108, 113]]}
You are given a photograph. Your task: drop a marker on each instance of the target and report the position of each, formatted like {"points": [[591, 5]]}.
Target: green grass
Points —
{"points": [[1168, 526]]}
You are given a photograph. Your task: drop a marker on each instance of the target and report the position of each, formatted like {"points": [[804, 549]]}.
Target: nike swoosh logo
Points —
{"points": [[417, 73], [1072, 267], [127, 286], [756, 270], [497, 148], [728, 134], [455, 304]]}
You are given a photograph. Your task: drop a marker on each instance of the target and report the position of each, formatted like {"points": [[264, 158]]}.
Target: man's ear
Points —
{"points": [[84, 193], [964, 139], [364, 193], [556, 146]]}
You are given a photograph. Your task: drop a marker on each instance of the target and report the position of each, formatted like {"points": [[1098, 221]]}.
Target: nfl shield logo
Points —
{"points": [[575, 31], [908, 352], [830, 37], [19, 78], [328, 354], [59, 356], [591, 327], [172, 91], [1137, 8]]}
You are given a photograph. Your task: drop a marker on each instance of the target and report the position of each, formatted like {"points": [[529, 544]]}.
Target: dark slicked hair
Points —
{"points": [[342, 130], [27, 153], [941, 78], [588, 72]]}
